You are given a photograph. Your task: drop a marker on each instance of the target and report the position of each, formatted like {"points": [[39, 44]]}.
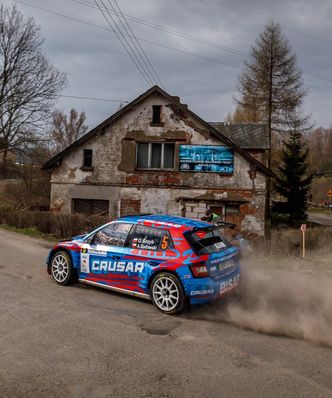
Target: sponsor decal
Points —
{"points": [[221, 259], [103, 266], [201, 292], [230, 284], [219, 245], [85, 262], [226, 264], [166, 224]]}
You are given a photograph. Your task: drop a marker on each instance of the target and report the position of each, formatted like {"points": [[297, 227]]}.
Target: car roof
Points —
{"points": [[166, 222]]}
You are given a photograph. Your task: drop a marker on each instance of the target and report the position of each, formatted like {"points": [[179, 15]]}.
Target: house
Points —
{"points": [[157, 156]]}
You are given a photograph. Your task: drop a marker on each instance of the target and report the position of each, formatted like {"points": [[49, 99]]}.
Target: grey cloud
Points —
{"points": [[97, 65]]}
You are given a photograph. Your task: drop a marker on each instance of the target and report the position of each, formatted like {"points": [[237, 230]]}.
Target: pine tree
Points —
{"points": [[293, 183], [271, 83]]}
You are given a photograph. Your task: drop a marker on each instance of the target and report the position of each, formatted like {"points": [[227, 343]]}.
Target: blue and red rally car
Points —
{"points": [[171, 260]]}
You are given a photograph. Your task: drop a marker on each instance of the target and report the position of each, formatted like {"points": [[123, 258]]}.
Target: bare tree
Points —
{"points": [[29, 84], [66, 130]]}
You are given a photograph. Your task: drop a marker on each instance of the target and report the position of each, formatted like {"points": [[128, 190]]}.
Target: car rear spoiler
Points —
{"points": [[218, 225]]}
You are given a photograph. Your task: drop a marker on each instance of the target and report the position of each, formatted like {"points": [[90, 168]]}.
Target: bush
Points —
{"points": [[288, 242], [57, 224]]}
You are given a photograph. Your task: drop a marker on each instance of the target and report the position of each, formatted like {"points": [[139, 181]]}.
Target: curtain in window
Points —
{"points": [[156, 156], [143, 156]]}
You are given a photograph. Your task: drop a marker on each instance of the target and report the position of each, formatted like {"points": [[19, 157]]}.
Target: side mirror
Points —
{"points": [[90, 239]]}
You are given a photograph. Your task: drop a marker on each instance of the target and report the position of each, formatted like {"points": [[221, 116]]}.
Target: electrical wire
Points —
{"points": [[144, 56], [319, 77], [92, 98], [111, 30], [173, 32], [218, 3], [198, 39], [125, 43]]}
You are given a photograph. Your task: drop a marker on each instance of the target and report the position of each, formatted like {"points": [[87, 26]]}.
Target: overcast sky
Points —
{"points": [[98, 66]]}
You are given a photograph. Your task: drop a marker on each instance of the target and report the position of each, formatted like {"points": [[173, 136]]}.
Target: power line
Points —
{"points": [[174, 32], [140, 49], [92, 98], [125, 44], [141, 39], [264, 20], [320, 77], [198, 39]]}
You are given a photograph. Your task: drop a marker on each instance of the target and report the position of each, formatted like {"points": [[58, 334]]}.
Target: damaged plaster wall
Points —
{"points": [[114, 152], [114, 177]]}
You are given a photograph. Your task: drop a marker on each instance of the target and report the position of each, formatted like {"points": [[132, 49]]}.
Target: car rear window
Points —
{"points": [[149, 238], [207, 241]]}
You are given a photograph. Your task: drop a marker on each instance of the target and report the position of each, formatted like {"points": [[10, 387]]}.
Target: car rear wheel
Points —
{"points": [[62, 269], [167, 293]]}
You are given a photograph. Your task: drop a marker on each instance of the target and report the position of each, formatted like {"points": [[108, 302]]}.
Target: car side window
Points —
{"points": [[112, 235], [149, 238]]}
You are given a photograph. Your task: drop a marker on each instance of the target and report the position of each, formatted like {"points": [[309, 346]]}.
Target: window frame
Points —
{"points": [[156, 110], [90, 239], [162, 160], [84, 166]]}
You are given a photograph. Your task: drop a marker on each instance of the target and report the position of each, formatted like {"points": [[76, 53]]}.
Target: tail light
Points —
{"points": [[199, 270]]}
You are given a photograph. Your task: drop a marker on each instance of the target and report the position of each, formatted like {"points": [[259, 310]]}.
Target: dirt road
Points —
{"points": [[322, 219], [85, 342]]}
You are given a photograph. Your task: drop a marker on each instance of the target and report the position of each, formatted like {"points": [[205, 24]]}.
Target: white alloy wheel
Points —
{"points": [[167, 293], [61, 268]]}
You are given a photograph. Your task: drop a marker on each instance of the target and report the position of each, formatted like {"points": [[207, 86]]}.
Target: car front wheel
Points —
{"points": [[62, 269], [167, 293]]}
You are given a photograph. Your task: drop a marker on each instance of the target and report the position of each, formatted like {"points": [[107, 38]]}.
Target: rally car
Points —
{"points": [[174, 261]]}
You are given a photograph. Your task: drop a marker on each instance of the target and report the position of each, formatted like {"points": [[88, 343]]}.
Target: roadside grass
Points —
{"points": [[30, 231], [57, 225], [320, 210], [287, 242]]}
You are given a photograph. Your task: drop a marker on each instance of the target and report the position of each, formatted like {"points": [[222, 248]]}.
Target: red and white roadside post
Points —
{"points": [[303, 229]]}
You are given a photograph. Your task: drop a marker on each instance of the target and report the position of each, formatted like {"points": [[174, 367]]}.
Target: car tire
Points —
{"points": [[167, 294], [62, 269]]}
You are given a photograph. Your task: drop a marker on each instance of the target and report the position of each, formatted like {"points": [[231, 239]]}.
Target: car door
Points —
{"points": [[152, 246], [104, 256]]}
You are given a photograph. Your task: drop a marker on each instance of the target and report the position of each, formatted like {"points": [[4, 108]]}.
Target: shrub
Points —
{"points": [[288, 242], [57, 224]]}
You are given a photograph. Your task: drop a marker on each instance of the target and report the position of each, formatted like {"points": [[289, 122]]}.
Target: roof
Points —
{"points": [[165, 221], [54, 161], [245, 135]]}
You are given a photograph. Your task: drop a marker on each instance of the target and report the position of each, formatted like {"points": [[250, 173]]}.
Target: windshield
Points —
{"points": [[207, 241]]}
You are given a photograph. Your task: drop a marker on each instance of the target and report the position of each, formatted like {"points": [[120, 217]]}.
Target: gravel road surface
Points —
{"points": [[80, 341], [322, 219]]}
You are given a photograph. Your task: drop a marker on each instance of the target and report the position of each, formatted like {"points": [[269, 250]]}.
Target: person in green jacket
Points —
{"points": [[210, 216]]}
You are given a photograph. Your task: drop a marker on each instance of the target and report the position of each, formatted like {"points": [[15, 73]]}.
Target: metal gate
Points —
{"points": [[91, 206]]}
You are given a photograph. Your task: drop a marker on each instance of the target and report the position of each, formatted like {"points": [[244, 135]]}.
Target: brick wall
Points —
{"points": [[129, 206]]}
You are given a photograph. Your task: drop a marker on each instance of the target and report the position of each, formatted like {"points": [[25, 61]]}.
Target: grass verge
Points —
{"points": [[320, 210], [31, 231]]}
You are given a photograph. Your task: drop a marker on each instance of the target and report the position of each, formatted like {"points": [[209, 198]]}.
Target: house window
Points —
{"points": [[155, 155], [150, 238], [232, 209], [87, 158], [156, 114]]}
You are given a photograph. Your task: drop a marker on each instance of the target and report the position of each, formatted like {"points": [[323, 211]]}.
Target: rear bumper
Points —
{"points": [[206, 290]]}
